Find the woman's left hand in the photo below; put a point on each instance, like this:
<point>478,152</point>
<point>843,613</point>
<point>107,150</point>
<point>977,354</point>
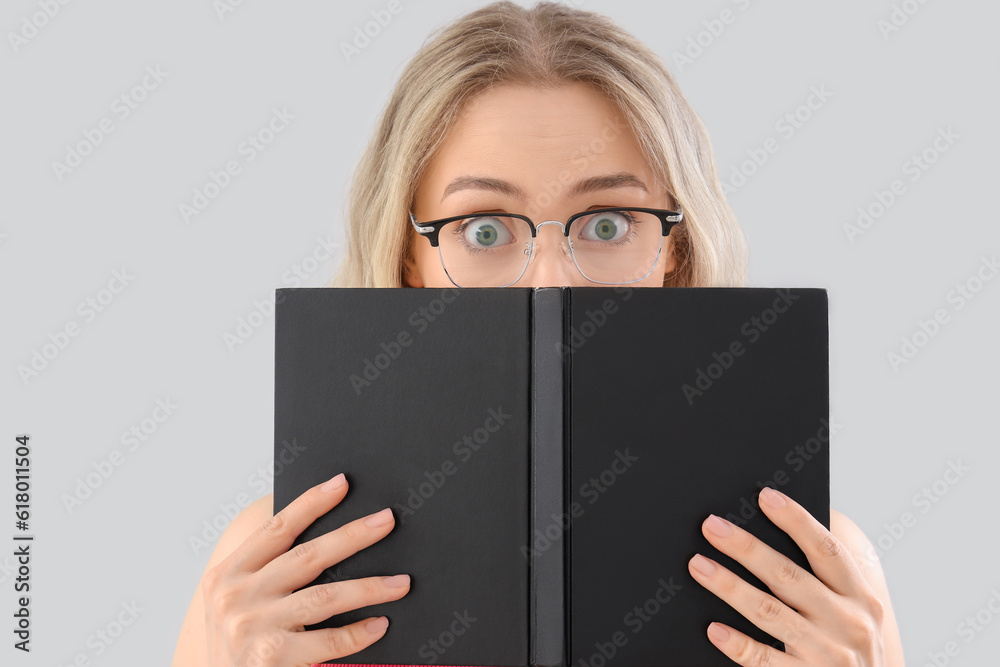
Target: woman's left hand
<point>832,617</point>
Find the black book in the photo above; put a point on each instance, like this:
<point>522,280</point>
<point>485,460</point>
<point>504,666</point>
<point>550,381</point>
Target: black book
<point>550,455</point>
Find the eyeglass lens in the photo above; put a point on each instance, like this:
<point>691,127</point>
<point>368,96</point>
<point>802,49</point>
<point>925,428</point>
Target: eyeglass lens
<point>493,250</point>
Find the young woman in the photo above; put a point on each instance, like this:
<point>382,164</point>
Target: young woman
<point>546,112</point>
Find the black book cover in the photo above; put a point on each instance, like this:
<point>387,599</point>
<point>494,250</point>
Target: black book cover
<point>550,455</point>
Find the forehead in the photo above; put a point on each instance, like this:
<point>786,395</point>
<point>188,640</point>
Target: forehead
<point>525,133</point>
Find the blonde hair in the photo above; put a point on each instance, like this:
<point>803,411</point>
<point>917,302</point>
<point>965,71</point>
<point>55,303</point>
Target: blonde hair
<point>547,45</point>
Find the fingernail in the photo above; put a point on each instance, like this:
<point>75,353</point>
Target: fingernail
<point>380,518</point>
<point>703,565</point>
<point>718,632</point>
<point>397,581</point>
<point>334,483</point>
<point>719,526</point>
<point>771,498</point>
<point>376,626</point>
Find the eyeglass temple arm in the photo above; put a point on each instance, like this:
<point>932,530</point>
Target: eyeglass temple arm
<point>421,229</point>
<point>429,231</point>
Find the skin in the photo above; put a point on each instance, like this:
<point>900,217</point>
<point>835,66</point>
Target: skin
<point>571,134</point>
<point>244,604</point>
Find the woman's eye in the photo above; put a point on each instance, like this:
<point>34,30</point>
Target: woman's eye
<point>605,227</point>
<point>486,233</point>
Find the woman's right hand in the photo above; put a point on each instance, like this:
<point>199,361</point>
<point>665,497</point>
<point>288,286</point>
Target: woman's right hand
<point>252,615</point>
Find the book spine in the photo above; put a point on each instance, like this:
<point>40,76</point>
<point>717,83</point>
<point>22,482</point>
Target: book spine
<point>546,615</point>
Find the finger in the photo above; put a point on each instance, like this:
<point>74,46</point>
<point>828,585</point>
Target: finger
<point>829,559</point>
<point>743,650</point>
<point>762,609</point>
<point>276,535</point>
<point>307,560</point>
<point>794,585</point>
<point>320,602</point>
<point>316,646</point>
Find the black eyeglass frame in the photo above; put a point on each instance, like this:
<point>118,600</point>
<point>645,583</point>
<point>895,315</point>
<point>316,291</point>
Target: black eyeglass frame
<point>431,230</point>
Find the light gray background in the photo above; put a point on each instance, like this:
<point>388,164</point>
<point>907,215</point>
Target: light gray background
<point>163,335</point>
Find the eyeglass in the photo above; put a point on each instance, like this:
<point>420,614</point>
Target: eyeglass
<point>609,246</point>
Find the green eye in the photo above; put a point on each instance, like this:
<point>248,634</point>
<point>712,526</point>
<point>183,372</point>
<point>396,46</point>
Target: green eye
<point>487,232</point>
<point>605,229</point>
<point>486,235</point>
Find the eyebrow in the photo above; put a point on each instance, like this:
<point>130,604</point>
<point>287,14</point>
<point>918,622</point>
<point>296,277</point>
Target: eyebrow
<point>584,186</point>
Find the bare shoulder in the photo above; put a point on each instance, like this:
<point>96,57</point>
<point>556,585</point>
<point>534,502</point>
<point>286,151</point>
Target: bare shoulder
<point>252,517</point>
<point>861,548</point>
<point>865,555</point>
<point>246,522</point>
<point>192,648</point>
<point>852,537</point>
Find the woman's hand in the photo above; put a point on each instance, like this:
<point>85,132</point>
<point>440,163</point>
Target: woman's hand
<point>252,617</point>
<point>830,618</point>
